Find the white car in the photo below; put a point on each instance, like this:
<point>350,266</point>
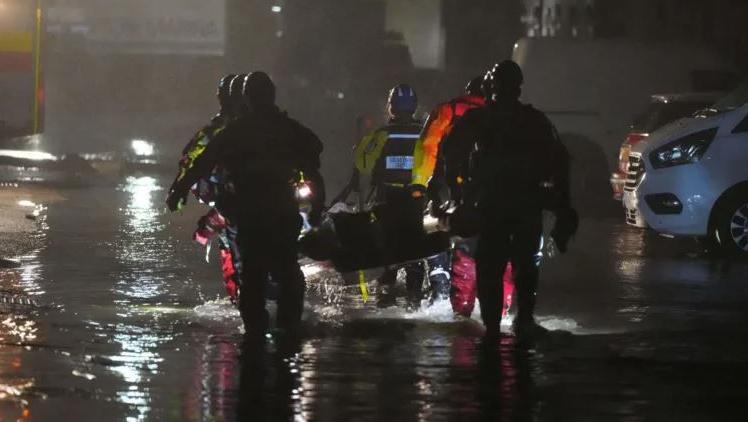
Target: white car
<point>690,178</point>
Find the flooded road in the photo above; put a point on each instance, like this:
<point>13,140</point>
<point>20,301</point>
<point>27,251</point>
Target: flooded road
<point>117,316</point>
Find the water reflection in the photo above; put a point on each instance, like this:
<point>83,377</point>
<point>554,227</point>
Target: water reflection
<point>138,364</point>
<point>213,382</point>
<point>143,253</point>
<point>142,215</point>
<point>279,386</point>
<point>140,248</point>
<point>20,292</point>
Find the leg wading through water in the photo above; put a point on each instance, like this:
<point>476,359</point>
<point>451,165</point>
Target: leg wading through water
<point>508,239</point>
<point>462,288</point>
<point>439,276</point>
<point>401,217</point>
<point>266,252</point>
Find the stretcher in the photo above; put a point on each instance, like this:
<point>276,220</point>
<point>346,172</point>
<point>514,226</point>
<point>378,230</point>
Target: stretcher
<point>355,241</point>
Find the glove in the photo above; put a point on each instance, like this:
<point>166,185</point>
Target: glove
<point>567,224</point>
<point>175,200</point>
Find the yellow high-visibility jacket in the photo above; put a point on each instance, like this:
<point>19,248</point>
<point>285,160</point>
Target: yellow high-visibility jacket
<point>368,150</point>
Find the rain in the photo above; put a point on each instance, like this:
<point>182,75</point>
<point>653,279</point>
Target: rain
<point>114,308</point>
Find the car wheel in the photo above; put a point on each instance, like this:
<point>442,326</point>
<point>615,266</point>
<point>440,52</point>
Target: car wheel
<point>732,224</point>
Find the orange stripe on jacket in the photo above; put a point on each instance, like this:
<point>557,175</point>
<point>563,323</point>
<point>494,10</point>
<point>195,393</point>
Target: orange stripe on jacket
<point>437,128</point>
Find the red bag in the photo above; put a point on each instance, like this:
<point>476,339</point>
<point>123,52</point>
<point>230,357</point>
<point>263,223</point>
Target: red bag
<point>229,273</point>
<point>464,289</point>
<point>208,226</point>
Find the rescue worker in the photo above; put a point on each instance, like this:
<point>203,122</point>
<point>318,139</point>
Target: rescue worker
<point>210,190</point>
<point>428,176</point>
<point>518,164</point>
<point>197,144</point>
<point>400,214</point>
<point>440,122</point>
<point>264,151</point>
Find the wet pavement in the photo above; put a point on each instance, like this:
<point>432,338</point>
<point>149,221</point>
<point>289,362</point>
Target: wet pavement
<point>114,314</point>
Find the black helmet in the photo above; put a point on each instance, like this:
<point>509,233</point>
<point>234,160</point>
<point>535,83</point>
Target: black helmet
<point>503,80</point>
<point>259,90</point>
<point>223,92</point>
<point>402,100</point>
<point>474,86</point>
<point>236,88</point>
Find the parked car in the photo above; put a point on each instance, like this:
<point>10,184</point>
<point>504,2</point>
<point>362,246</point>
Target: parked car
<point>663,109</point>
<point>591,89</point>
<point>690,178</point>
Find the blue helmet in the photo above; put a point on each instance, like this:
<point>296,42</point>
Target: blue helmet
<point>402,100</point>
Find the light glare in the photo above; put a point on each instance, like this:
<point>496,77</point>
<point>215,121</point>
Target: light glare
<point>142,148</point>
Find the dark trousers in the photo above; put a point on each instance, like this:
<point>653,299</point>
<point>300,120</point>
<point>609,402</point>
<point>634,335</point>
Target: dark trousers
<point>401,219</point>
<point>505,239</point>
<point>268,245</point>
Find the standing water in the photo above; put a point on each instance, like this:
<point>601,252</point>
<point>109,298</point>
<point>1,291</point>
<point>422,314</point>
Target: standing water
<point>116,316</point>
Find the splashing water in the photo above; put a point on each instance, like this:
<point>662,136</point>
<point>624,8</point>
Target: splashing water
<point>218,310</point>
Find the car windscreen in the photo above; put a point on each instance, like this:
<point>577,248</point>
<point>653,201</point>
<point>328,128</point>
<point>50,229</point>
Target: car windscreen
<point>734,99</point>
<point>660,113</point>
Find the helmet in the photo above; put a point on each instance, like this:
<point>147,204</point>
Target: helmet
<point>259,90</point>
<point>473,87</point>
<point>223,91</point>
<point>236,88</point>
<point>402,101</point>
<point>235,101</point>
<point>503,80</point>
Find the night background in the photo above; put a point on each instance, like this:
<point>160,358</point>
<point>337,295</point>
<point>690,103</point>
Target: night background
<point>109,311</point>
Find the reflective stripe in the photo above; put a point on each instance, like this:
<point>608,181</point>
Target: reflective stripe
<point>404,136</point>
<point>399,162</point>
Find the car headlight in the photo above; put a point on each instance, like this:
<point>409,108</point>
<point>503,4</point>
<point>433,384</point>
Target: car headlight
<point>686,150</point>
<point>142,148</point>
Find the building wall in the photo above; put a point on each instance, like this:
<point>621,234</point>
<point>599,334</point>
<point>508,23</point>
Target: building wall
<point>126,69</point>
<point>558,18</point>
<point>721,24</point>
<point>420,22</point>
<point>479,33</point>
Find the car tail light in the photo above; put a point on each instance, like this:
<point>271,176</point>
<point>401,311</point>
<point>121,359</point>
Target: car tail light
<point>632,139</point>
<point>635,137</point>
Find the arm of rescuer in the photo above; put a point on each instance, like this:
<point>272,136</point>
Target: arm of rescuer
<point>194,148</point>
<point>558,187</point>
<point>456,149</point>
<point>308,162</point>
<point>427,146</point>
<point>201,167</point>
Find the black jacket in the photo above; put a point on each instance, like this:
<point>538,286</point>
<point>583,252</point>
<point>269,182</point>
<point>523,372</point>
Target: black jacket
<point>507,154</point>
<point>262,152</point>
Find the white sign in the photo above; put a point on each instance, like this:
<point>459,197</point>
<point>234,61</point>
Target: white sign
<point>158,26</point>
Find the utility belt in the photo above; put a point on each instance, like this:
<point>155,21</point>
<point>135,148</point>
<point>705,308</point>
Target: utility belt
<point>390,193</point>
